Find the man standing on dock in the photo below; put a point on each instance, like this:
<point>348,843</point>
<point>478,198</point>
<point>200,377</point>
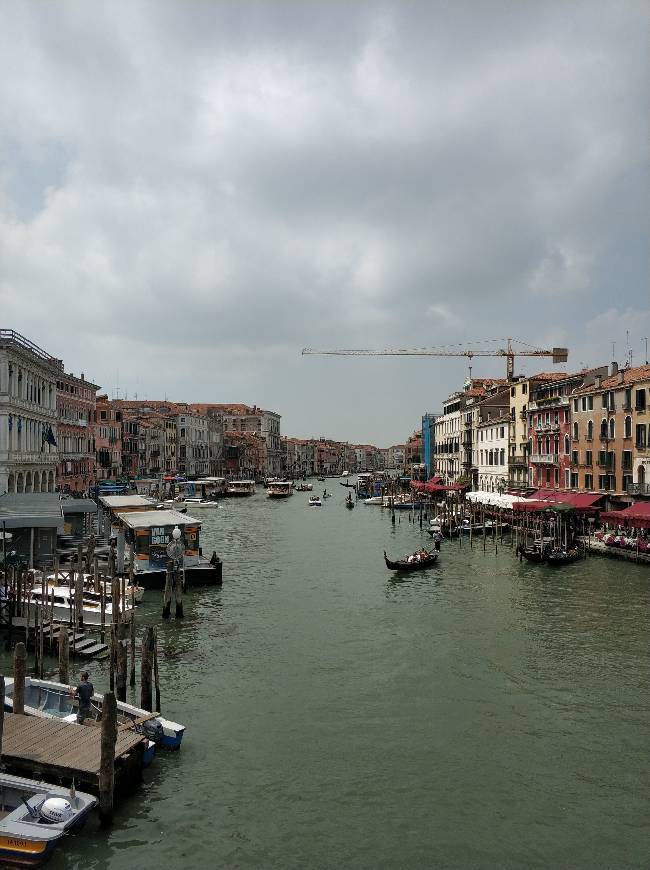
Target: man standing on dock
<point>84,692</point>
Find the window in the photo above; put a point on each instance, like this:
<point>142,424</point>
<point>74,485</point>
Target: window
<point>640,400</point>
<point>612,428</point>
<point>575,404</point>
<point>574,480</point>
<point>590,431</point>
<point>574,457</point>
<point>589,481</point>
<point>524,388</point>
<point>627,405</point>
<point>575,432</point>
<point>627,430</point>
<point>590,403</point>
<point>603,428</point>
<point>556,476</point>
<point>589,458</point>
<point>584,403</point>
<point>626,462</point>
<point>567,446</point>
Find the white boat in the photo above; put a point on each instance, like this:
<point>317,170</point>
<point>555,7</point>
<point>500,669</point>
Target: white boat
<point>240,487</point>
<point>304,487</point>
<point>376,499</point>
<point>49,700</point>
<point>314,501</point>
<point>64,605</point>
<point>35,816</point>
<point>193,503</point>
<point>345,474</point>
<point>280,489</point>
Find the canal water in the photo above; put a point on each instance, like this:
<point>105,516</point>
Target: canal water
<point>482,714</point>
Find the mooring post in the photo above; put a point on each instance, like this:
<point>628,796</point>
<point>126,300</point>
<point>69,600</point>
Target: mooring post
<point>79,589</point>
<point>107,761</point>
<point>145,668</point>
<point>132,638</point>
<point>115,600</point>
<point>167,593</point>
<point>2,710</point>
<point>96,574</point>
<point>20,662</point>
<point>178,593</point>
<point>122,647</point>
<point>155,668</point>
<point>102,611</point>
<point>112,657</point>
<point>64,656</point>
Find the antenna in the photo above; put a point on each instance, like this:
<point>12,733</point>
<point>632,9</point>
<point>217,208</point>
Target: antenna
<point>613,350</point>
<point>646,350</point>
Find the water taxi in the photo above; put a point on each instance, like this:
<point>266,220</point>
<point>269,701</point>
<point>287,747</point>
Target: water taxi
<point>240,487</point>
<point>314,501</point>
<point>201,503</point>
<point>35,816</point>
<point>280,489</point>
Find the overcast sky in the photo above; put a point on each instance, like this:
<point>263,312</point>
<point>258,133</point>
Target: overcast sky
<point>191,192</point>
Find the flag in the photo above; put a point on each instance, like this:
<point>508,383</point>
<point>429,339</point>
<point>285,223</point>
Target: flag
<point>48,436</point>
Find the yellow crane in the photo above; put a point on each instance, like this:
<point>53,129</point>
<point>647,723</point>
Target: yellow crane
<point>559,354</point>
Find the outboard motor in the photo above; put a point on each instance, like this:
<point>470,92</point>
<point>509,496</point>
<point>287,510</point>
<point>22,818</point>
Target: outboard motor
<point>153,730</point>
<point>56,809</point>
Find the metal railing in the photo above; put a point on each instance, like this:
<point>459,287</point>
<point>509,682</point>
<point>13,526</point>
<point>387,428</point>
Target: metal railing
<point>10,336</point>
<point>638,489</point>
<point>545,458</point>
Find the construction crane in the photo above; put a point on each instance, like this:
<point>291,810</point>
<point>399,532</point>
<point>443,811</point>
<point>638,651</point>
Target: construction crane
<point>559,354</point>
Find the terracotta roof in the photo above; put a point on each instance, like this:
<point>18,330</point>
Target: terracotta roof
<point>630,376</point>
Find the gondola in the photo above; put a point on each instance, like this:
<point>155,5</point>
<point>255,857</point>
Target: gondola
<point>560,557</point>
<point>533,554</point>
<point>404,565</point>
<point>345,483</point>
<point>349,503</point>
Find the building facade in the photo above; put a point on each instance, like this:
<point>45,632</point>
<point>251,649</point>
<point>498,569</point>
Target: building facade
<point>108,438</point>
<point>28,415</point>
<point>75,405</point>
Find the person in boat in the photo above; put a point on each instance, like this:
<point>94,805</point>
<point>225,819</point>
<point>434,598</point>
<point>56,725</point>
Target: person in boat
<point>83,692</point>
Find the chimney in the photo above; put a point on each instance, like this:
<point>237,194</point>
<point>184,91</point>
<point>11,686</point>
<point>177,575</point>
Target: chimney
<point>621,376</point>
<point>614,370</point>
<point>599,381</point>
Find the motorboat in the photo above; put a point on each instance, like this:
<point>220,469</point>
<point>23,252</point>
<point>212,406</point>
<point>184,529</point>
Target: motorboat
<point>314,501</point>
<point>35,816</point>
<point>415,562</point>
<point>280,489</point>
<point>304,487</point>
<point>50,700</point>
<point>345,474</point>
<point>240,487</point>
<point>60,602</point>
<point>194,503</point>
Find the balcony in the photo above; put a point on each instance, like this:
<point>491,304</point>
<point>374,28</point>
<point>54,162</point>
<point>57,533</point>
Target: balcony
<point>545,458</point>
<point>518,460</point>
<point>552,402</point>
<point>638,489</point>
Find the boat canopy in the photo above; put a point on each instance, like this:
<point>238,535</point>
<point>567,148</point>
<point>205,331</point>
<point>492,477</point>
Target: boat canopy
<point>504,501</point>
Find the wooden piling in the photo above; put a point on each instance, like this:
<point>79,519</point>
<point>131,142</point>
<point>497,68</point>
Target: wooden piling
<point>121,649</point>
<point>111,647</point>
<point>2,706</point>
<point>107,762</point>
<point>146,660</point>
<point>132,638</point>
<point>115,600</point>
<point>155,668</point>
<point>20,663</point>
<point>102,610</point>
<point>96,574</point>
<point>64,656</point>
<point>167,593</point>
<point>178,593</point>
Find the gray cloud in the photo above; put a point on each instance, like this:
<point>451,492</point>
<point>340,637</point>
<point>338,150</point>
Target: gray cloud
<point>191,192</point>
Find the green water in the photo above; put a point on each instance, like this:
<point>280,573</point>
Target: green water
<point>482,714</point>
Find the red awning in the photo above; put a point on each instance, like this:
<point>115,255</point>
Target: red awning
<point>636,515</point>
<point>418,486</point>
<point>579,500</point>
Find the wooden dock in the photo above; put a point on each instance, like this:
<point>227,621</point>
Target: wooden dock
<point>81,643</point>
<point>55,750</point>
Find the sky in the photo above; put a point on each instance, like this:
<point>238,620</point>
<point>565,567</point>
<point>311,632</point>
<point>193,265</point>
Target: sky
<point>191,192</point>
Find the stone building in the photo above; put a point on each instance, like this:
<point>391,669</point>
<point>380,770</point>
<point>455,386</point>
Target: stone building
<point>108,438</point>
<point>610,433</point>
<point>75,404</point>
<point>28,415</point>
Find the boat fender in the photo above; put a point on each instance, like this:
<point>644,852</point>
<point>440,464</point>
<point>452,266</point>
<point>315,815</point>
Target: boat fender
<point>56,810</point>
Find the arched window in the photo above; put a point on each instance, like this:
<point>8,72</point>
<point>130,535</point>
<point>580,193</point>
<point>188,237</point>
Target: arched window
<point>575,432</point>
<point>567,445</point>
<point>628,428</point>
<point>612,428</point>
<point>603,428</point>
<point>590,430</point>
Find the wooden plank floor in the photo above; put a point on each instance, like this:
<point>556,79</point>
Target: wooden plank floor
<point>50,742</point>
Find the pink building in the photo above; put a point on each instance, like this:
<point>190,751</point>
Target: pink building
<point>75,406</point>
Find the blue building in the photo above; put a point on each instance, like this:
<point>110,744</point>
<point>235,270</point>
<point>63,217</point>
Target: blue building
<point>429,442</point>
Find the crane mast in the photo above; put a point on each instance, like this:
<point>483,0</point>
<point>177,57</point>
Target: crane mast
<point>559,354</point>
